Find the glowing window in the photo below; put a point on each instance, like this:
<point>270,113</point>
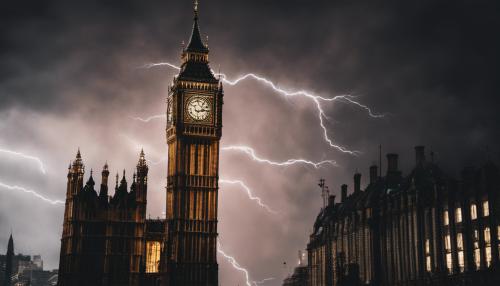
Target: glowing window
<point>486,209</point>
<point>473,211</point>
<point>487,252</point>
<point>461,264</point>
<point>152,256</point>
<point>449,264</point>
<point>428,263</point>
<point>427,246</point>
<point>446,218</point>
<point>458,215</point>
<point>477,258</point>
<point>460,241</point>
<point>487,235</point>
<point>447,242</point>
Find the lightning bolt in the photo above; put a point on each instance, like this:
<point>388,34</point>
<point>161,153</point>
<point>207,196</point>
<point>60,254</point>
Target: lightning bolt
<point>34,193</point>
<point>315,98</point>
<point>249,193</point>
<point>148,119</point>
<point>29,157</point>
<point>263,281</point>
<point>234,263</point>
<point>251,152</point>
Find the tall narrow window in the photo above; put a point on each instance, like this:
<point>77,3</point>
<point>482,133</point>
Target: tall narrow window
<point>477,251</point>
<point>447,246</point>
<point>460,248</point>
<point>486,209</point>
<point>447,242</point>
<point>473,211</point>
<point>458,215</point>
<point>152,256</point>
<point>449,264</point>
<point>487,248</point>
<point>446,218</point>
<point>428,265</point>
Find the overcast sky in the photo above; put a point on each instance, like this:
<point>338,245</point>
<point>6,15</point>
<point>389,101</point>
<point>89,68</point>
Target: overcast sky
<point>71,76</point>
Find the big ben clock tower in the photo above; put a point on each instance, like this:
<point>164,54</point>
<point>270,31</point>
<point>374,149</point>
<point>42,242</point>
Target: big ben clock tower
<point>194,125</point>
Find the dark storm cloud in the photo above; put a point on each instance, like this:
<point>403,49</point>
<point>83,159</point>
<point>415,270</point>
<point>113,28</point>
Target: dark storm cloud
<point>69,68</point>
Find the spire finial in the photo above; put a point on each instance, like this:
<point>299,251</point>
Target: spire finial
<point>196,8</point>
<point>78,154</point>
<point>91,172</point>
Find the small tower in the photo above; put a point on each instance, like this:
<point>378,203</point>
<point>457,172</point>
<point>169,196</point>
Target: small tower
<point>8,262</point>
<point>142,179</point>
<point>103,192</point>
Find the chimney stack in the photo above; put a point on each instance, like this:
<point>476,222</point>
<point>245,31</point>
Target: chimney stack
<point>331,200</point>
<point>420,155</point>
<point>357,182</point>
<point>392,163</point>
<point>343,195</point>
<point>373,174</point>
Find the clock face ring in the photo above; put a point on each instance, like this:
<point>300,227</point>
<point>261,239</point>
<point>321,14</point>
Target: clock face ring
<point>198,108</point>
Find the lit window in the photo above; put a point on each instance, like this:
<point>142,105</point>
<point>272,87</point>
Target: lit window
<point>477,251</point>
<point>473,211</point>
<point>449,264</point>
<point>428,263</point>
<point>486,209</point>
<point>152,256</point>
<point>487,252</point>
<point>477,258</point>
<point>461,261</point>
<point>460,241</point>
<point>446,219</point>
<point>458,215</point>
<point>447,242</point>
<point>487,235</point>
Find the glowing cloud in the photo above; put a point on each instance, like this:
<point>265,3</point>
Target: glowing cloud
<point>34,193</point>
<point>251,152</point>
<point>249,193</point>
<point>29,157</point>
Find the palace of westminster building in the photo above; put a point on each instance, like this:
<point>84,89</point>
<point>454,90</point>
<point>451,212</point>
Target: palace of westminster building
<point>107,240</point>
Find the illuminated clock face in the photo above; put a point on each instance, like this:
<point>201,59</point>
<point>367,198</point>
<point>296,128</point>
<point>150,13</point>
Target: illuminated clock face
<point>198,108</point>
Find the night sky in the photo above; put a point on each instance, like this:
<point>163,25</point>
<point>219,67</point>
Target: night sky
<point>71,75</point>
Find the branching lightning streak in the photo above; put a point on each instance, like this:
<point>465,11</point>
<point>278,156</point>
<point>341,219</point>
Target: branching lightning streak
<point>316,99</point>
<point>18,188</point>
<point>251,152</point>
<point>29,157</point>
<point>249,193</point>
<point>263,281</point>
<point>234,263</point>
<point>148,119</point>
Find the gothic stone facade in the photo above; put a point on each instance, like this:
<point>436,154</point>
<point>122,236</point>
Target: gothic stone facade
<point>108,240</point>
<point>423,229</point>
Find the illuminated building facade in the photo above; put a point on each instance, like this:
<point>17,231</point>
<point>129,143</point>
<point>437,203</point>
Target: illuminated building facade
<point>423,229</point>
<point>194,129</point>
<point>107,240</point>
